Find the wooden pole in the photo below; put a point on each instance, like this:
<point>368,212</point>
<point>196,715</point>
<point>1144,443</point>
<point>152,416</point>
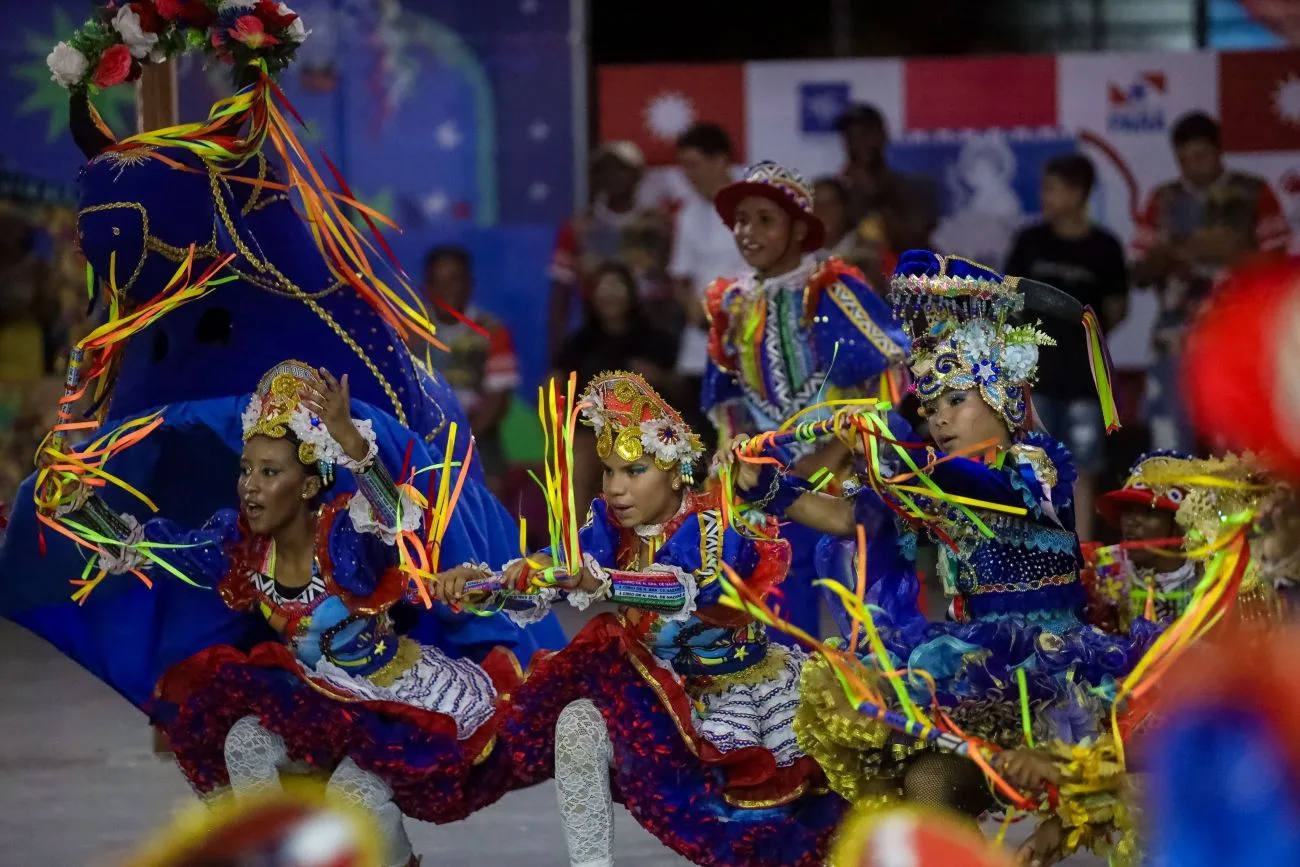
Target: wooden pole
<point>156,104</point>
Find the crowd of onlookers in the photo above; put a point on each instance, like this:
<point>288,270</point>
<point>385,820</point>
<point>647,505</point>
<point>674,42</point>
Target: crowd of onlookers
<point>627,280</point>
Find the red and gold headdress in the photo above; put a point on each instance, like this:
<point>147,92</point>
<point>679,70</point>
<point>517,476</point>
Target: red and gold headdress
<point>631,420</point>
<point>276,410</point>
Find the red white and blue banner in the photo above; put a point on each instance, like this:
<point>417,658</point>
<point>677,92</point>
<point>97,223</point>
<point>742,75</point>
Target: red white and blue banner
<point>981,128</point>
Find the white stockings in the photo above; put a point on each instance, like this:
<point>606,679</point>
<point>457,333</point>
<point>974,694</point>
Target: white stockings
<point>583,753</point>
<point>255,757</point>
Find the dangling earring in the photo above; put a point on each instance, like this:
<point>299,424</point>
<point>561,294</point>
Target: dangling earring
<point>688,475</point>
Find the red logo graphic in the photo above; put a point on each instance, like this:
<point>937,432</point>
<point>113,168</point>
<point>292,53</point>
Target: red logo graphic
<point>1139,90</point>
<point>1259,99</point>
<point>653,105</point>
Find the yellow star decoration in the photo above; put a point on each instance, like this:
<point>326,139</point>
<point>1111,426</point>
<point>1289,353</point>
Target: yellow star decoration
<point>741,652</point>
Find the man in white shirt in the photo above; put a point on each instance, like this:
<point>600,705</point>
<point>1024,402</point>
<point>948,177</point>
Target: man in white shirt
<point>703,247</point>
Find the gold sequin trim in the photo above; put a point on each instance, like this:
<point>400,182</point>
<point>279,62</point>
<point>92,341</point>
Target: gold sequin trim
<point>858,754</point>
<point>408,654</point>
<point>766,669</point>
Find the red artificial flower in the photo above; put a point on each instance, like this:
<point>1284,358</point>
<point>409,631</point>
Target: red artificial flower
<point>114,66</point>
<point>270,15</point>
<point>192,12</point>
<point>250,31</point>
<point>151,21</point>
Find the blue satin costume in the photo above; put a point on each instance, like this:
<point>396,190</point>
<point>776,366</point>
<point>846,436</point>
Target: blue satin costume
<point>197,365</point>
<point>779,346</point>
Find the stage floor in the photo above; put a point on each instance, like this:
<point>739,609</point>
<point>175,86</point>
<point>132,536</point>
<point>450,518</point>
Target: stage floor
<point>81,786</point>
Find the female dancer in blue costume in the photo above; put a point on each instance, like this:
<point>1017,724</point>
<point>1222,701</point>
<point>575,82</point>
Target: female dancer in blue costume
<point>794,332</point>
<point>684,697</point>
<point>1019,600</point>
<point>143,203</point>
<point>400,726</point>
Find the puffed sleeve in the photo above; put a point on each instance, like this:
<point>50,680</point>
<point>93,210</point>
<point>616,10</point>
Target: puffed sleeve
<point>359,558</point>
<point>721,397</point>
<point>855,334</point>
<point>202,555</point>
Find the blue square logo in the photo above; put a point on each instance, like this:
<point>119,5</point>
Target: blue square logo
<point>820,104</point>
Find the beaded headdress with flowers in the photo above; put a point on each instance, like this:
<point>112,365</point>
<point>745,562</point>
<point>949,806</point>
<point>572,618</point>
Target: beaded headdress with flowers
<point>961,318</point>
<point>631,420</point>
<point>276,410</point>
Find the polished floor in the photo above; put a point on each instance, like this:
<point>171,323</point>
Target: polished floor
<point>80,787</point>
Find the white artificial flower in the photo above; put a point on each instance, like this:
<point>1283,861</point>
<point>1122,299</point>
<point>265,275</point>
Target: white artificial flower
<point>1019,361</point>
<point>297,31</point>
<point>127,24</point>
<point>666,440</point>
<point>975,338</point>
<point>593,409</point>
<point>67,65</point>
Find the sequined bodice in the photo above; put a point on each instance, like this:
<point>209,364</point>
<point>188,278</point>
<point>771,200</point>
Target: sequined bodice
<point>1028,567</point>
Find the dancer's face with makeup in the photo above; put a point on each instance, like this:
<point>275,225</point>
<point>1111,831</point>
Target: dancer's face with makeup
<point>638,492</point>
<point>960,419</point>
<point>274,487</point>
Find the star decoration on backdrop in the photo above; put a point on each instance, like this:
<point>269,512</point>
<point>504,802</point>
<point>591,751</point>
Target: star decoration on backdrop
<point>1286,100</point>
<point>538,130</point>
<point>538,191</point>
<point>529,7</point>
<point>116,104</point>
<point>669,114</point>
<point>448,135</point>
<point>434,204</point>
<point>826,108</point>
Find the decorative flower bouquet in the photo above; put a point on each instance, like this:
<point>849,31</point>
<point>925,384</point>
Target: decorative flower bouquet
<point>122,38</point>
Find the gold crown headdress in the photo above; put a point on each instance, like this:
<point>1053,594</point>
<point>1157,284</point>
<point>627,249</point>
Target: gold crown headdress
<point>276,410</point>
<point>631,420</point>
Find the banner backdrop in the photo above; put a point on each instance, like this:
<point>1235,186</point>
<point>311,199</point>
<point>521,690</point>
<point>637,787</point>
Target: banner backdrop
<point>981,128</point>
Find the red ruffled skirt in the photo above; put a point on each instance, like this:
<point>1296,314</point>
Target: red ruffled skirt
<point>713,807</point>
<point>434,775</point>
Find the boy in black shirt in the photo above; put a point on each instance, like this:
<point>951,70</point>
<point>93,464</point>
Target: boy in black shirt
<point>1067,251</point>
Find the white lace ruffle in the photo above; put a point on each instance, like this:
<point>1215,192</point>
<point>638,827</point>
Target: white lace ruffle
<point>542,600</point>
<point>582,599</point>
<point>458,688</point>
<point>757,714</point>
<point>364,519</point>
<point>120,560</point>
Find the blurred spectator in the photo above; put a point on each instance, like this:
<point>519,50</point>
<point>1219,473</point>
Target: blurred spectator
<point>31,328</point>
<point>597,234</point>
<point>1193,229</point>
<point>859,243</point>
<point>703,251</point>
<point>480,363</point>
<point>647,248</point>
<point>27,314</point>
<point>616,336</point>
<point>908,205</point>
<point>1068,251</point>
